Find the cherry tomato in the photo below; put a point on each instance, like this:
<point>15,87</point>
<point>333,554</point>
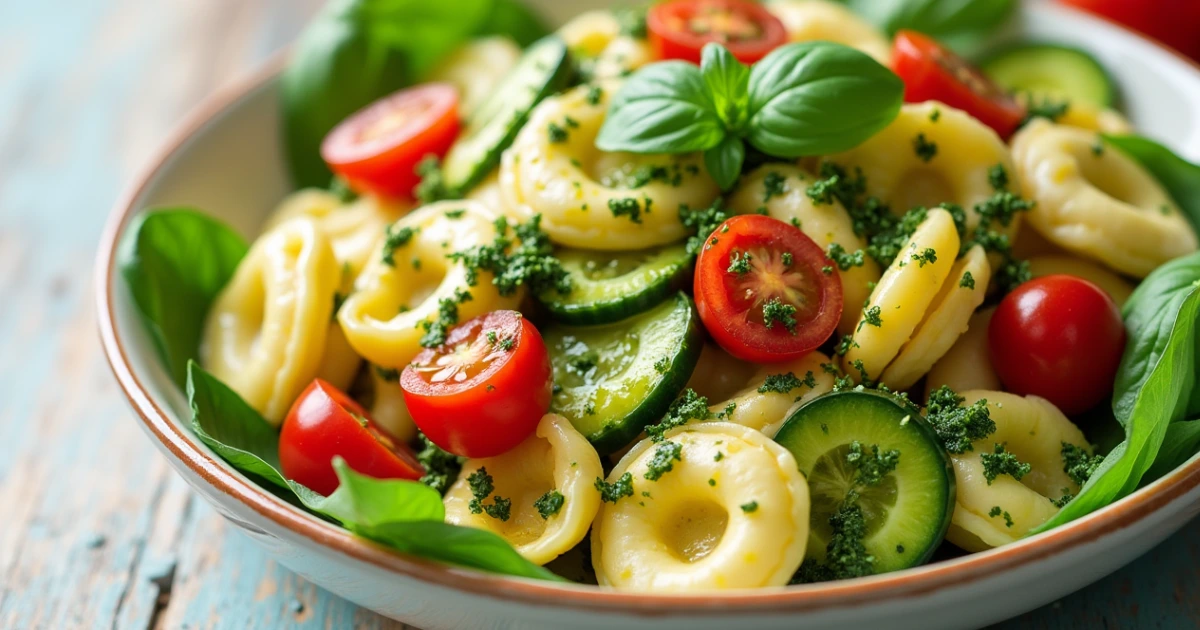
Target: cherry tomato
<point>325,423</point>
<point>1058,337</point>
<point>485,389</point>
<point>679,29</point>
<point>377,149</point>
<point>765,291</point>
<point>934,73</point>
<point>1175,23</point>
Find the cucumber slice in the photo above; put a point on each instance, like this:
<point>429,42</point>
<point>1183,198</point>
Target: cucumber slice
<point>1051,69</point>
<point>908,512</point>
<point>611,286</point>
<point>613,380</point>
<point>544,69</point>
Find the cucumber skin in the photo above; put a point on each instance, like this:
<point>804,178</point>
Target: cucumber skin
<point>611,311</point>
<point>1110,92</point>
<point>919,421</point>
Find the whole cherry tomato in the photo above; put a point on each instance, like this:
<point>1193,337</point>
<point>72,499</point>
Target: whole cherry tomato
<point>679,29</point>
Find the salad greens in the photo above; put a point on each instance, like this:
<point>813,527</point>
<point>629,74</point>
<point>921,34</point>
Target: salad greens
<point>939,18</point>
<point>801,99</point>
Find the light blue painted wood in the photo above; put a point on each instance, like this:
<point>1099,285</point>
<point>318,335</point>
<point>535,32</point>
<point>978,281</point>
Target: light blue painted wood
<point>96,531</point>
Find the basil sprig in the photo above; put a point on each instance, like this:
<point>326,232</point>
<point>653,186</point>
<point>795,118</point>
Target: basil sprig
<point>802,99</point>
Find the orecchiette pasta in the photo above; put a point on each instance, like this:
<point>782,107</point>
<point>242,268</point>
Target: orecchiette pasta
<point>738,520</point>
<point>353,229</point>
<point>383,317</point>
<point>1034,431</point>
<point>266,331</point>
<point>968,363</point>
<point>1118,288</point>
<point>1097,202</point>
<point>476,69</point>
<point>767,410</point>
<point>556,457</point>
<point>813,20</point>
<point>948,317</point>
<point>904,294</point>
<point>956,172</point>
<point>582,193</point>
<point>824,223</point>
<point>596,37</point>
<point>388,409</point>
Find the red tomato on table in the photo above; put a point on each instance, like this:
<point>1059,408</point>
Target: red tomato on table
<point>932,72</point>
<point>1175,23</point>
<point>325,423</point>
<point>679,29</point>
<point>377,149</point>
<point>484,390</point>
<point>762,290</point>
<point>1058,337</point>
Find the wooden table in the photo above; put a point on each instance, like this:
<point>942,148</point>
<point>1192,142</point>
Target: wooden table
<point>95,530</point>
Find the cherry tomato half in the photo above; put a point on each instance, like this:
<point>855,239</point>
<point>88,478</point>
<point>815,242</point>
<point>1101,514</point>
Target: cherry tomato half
<point>765,291</point>
<point>1175,23</point>
<point>679,29</point>
<point>1059,337</point>
<point>325,423</point>
<point>934,73</point>
<point>377,149</point>
<point>484,390</point>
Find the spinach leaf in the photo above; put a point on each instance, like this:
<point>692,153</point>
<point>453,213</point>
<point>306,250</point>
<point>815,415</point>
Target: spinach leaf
<point>939,18</point>
<point>1155,381</point>
<point>662,108</point>
<point>175,261</point>
<point>402,515</point>
<point>1180,177</point>
<point>818,97</point>
<point>514,19</point>
<point>1181,443</point>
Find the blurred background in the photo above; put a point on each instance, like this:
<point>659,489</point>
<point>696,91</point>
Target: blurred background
<point>96,530</point>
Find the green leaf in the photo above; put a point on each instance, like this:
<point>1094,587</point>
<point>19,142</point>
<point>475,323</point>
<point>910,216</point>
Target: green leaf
<point>727,80</point>
<point>514,19</point>
<point>1180,444</point>
<point>366,502</point>
<point>939,18</point>
<point>1180,177</point>
<point>724,161</point>
<point>175,261</point>
<point>816,98</point>
<point>1155,381</point>
<point>662,108</point>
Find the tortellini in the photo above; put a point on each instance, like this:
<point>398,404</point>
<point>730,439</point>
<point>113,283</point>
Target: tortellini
<point>594,199</point>
<point>1034,431</point>
<point>266,331</point>
<point>904,176</point>
<point>767,410</point>
<point>353,229</point>
<point>555,458</point>
<point>1118,288</point>
<point>824,223</point>
<point>968,364</point>
<point>732,513</point>
<point>1097,202</point>
<point>389,410</point>
<point>489,193</point>
<point>1084,115</point>
<point>384,318</point>
<point>476,69</point>
<point>811,20</point>
<point>596,38</point>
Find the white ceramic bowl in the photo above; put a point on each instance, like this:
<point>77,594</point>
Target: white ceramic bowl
<point>226,159</point>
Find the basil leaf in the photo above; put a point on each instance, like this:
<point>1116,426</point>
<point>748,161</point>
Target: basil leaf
<point>816,98</point>
<point>939,18</point>
<point>175,261</point>
<point>1180,444</point>
<point>724,161</point>
<point>1180,177</point>
<point>662,108</point>
<point>727,81</point>
<point>514,19</point>
<point>1155,382</point>
<point>402,515</point>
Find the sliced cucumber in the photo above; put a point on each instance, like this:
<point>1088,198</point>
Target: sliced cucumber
<point>1055,70</point>
<point>543,70</point>
<point>908,512</point>
<point>611,286</point>
<point>613,380</point>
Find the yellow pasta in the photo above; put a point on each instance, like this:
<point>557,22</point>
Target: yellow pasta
<point>766,411</point>
<point>1085,116</point>
<point>735,521</point>
<point>968,363</point>
<point>1098,202</point>
<point>575,186</point>
<point>556,457</point>
<point>476,69</point>
<point>1034,430</point>
<point>811,20</point>
<point>596,38</point>
<point>1118,288</point>
<point>389,410</point>
<point>265,333</point>
<point>488,193</point>
<point>353,229</point>
<point>824,223</point>
<point>383,319</point>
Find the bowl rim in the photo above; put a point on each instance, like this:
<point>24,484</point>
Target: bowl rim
<point>916,581</point>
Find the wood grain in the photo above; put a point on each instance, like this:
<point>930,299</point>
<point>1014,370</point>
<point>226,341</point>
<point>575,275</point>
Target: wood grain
<point>96,530</point>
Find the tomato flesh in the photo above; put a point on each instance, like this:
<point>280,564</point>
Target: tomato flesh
<point>679,29</point>
<point>765,291</point>
<point>483,391</point>
<point>932,72</point>
<point>325,423</point>
<point>1059,337</point>
<point>377,149</point>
